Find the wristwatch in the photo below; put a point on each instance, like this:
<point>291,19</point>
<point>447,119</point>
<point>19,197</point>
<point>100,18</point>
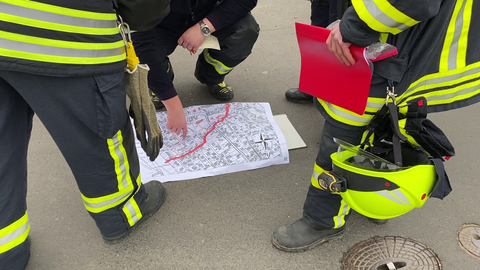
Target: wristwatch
<point>204,28</point>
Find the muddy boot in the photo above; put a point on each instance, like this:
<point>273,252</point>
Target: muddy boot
<point>303,235</point>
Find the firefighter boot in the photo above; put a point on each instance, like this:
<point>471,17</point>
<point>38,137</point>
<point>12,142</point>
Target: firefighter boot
<point>155,197</point>
<point>297,96</point>
<point>377,221</point>
<point>303,235</point>
<point>220,91</point>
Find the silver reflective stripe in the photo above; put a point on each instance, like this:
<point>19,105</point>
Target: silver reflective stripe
<point>347,115</point>
<point>467,90</point>
<point>343,212</point>
<point>383,18</point>
<point>54,17</point>
<point>112,201</point>
<point>132,211</point>
<point>56,51</point>
<point>401,196</point>
<point>389,196</point>
<point>315,175</point>
<point>14,235</point>
<point>452,56</point>
<point>217,64</point>
<point>375,105</point>
<point>440,80</point>
<point>121,160</point>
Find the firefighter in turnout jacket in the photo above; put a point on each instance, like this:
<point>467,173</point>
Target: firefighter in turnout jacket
<point>438,59</point>
<point>64,61</point>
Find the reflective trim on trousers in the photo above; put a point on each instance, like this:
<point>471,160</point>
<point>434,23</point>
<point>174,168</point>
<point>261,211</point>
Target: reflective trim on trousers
<point>122,170</point>
<point>219,66</point>
<point>14,234</point>
<point>131,209</point>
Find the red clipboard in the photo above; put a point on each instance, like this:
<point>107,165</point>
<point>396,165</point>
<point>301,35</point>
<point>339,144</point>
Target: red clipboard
<point>323,76</point>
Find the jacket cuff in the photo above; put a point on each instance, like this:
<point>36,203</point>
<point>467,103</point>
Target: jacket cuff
<point>215,21</point>
<point>168,94</point>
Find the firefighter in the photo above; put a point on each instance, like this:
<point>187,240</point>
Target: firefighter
<point>438,58</point>
<point>188,25</point>
<point>64,61</point>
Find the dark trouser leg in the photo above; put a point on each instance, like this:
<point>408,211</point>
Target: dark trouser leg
<point>236,43</point>
<point>88,121</point>
<point>323,13</point>
<point>322,207</point>
<point>15,125</point>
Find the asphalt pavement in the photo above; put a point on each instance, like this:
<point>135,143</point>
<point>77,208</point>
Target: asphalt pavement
<point>226,221</point>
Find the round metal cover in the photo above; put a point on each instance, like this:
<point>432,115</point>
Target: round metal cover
<point>469,238</point>
<point>390,253</point>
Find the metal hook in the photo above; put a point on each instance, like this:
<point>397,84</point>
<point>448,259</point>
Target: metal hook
<point>391,95</point>
<point>122,28</point>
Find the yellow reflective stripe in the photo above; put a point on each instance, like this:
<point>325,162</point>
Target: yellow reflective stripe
<point>57,26</point>
<point>131,209</point>
<point>339,219</point>
<point>61,43</point>
<point>317,170</point>
<point>119,155</point>
<point>454,52</point>
<point>122,170</point>
<point>381,16</point>
<point>463,41</point>
<point>14,234</point>
<point>219,66</point>
<point>439,97</point>
<point>384,37</point>
<point>62,10</point>
<point>453,82</point>
<point>61,59</point>
<point>100,204</point>
<point>348,117</point>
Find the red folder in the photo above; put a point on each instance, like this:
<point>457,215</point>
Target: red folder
<point>323,76</point>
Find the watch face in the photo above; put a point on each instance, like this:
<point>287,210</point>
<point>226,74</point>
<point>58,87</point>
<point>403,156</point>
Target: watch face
<point>205,31</point>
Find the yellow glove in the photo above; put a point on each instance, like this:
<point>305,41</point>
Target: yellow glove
<point>142,109</point>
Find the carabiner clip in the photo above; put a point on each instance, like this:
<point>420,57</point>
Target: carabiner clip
<point>391,95</point>
<point>124,30</point>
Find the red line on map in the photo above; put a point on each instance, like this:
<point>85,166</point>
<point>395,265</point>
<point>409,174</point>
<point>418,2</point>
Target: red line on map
<point>227,107</point>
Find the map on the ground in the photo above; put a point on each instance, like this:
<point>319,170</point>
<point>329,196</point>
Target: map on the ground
<point>222,138</point>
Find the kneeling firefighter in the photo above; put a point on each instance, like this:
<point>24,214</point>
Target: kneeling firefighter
<point>434,61</point>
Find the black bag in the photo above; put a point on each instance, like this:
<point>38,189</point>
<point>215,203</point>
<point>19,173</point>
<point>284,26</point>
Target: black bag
<point>142,15</point>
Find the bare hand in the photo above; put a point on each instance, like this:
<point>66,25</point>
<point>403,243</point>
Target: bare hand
<point>339,48</point>
<point>192,38</point>
<point>176,121</point>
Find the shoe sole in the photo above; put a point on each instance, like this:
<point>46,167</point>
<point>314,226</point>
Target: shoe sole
<point>330,238</point>
<point>300,101</point>
<point>127,233</point>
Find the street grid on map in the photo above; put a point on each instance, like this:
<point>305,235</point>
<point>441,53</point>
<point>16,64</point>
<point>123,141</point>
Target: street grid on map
<point>221,138</point>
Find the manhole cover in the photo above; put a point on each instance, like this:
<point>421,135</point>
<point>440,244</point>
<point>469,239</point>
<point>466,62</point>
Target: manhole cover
<point>390,253</point>
<point>469,238</point>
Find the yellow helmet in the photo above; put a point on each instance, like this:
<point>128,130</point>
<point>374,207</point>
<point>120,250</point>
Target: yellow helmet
<point>400,170</point>
<point>382,193</point>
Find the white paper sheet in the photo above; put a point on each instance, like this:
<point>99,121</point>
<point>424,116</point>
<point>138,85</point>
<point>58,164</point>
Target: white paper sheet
<point>222,138</point>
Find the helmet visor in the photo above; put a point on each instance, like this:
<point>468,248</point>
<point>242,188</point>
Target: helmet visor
<point>360,158</point>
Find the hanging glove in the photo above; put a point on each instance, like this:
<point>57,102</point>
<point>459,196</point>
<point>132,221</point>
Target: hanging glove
<point>142,109</point>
